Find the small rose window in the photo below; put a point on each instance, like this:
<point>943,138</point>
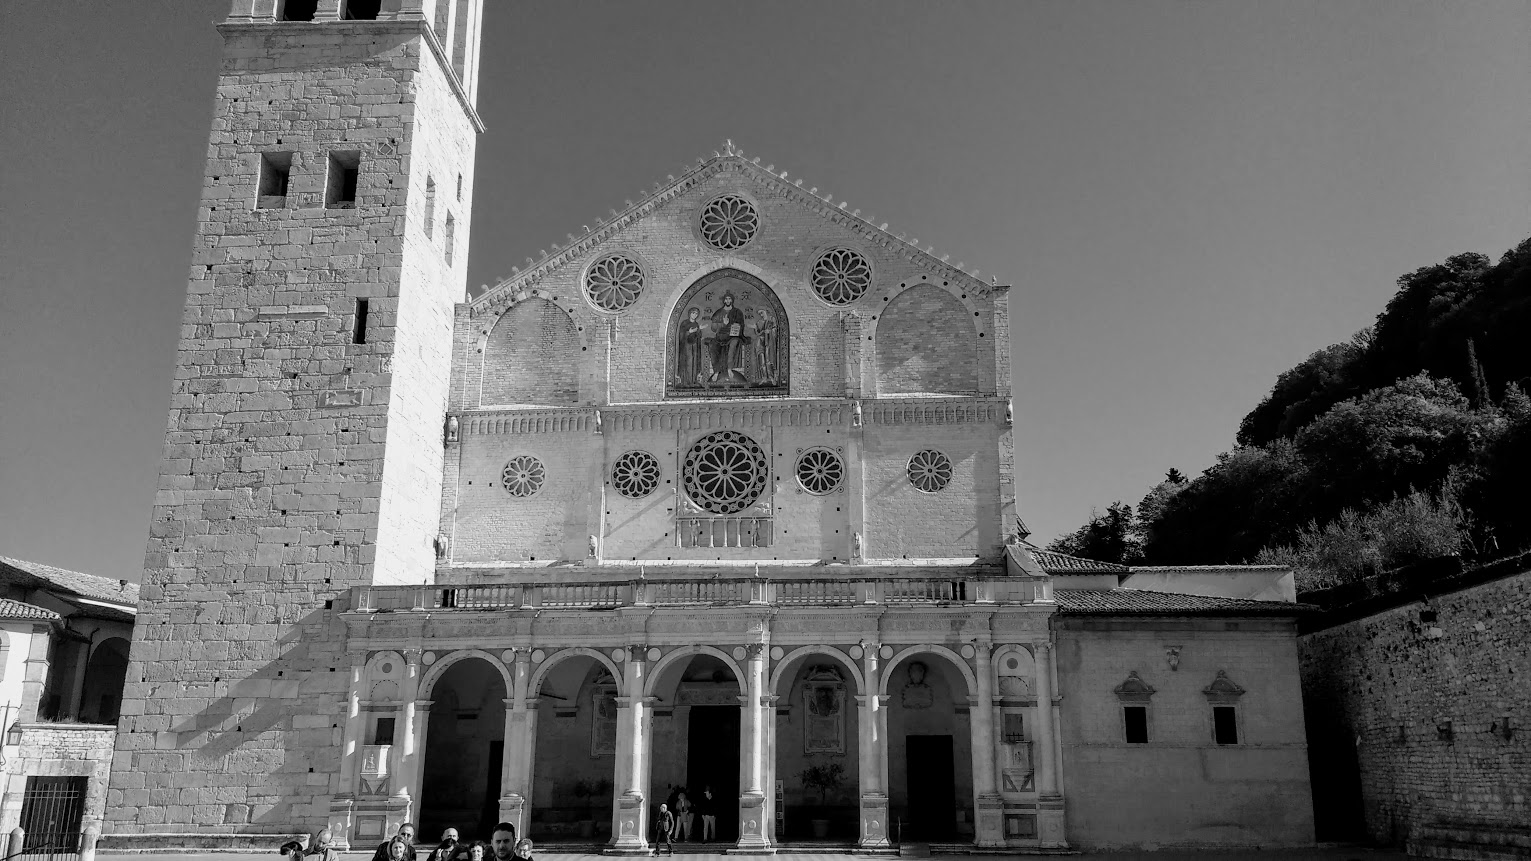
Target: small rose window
<point>635,474</point>
<point>820,471</point>
<point>841,276</point>
<point>614,282</point>
<point>729,222</point>
<point>523,475</point>
<point>929,471</point>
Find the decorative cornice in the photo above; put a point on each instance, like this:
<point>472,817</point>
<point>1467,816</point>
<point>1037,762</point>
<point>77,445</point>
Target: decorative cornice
<point>731,158</point>
<point>719,414</point>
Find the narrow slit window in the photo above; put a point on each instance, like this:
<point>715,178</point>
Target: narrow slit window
<point>359,323</point>
<point>449,233</point>
<point>362,10</point>
<point>430,206</point>
<point>275,168</point>
<point>1225,724</point>
<point>340,188</point>
<point>384,732</point>
<point>299,10</point>
<point>1135,721</point>
<point>459,188</point>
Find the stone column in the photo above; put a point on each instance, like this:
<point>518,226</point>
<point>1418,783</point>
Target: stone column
<point>520,746</point>
<point>989,808</point>
<point>405,751</point>
<point>753,827</point>
<point>631,811</point>
<point>872,744</point>
<point>327,10</point>
<point>35,678</point>
<point>416,758</point>
<point>343,804</point>
<point>1050,825</point>
<point>768,780</point>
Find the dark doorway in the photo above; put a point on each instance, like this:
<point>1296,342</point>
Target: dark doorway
<point>489,814</point>
<point>712,759</point>
<point>931,786</point>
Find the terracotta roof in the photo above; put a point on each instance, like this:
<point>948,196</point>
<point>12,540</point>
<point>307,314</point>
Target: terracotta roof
<point>12,609</point>
<point>35,575</point>
<point>1139,602</point>
<point>1062,563</point>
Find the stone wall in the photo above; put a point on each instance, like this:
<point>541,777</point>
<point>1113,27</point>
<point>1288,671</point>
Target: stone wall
<point>1182,788</point>
<point>1416,712</point>
<point>60,750</point>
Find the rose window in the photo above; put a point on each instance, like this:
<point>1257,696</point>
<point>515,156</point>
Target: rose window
<point>724,472</point>
<point>841,276</point>
<point>929,470</point>
<point>730,221</point>
<point>820,471</point>
<point>613,283</point>
<point>523,476</point>
<point>635,474</point>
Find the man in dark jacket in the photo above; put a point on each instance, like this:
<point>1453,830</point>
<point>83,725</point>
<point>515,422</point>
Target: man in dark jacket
<point>664,824</point>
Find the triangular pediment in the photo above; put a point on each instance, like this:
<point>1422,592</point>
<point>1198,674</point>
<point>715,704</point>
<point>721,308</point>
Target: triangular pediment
<point>729,162</point>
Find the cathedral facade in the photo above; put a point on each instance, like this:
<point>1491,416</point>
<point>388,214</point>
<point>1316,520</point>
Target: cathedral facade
<point>717,499</point>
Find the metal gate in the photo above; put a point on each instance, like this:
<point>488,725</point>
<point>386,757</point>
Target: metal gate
<point>52,810</point>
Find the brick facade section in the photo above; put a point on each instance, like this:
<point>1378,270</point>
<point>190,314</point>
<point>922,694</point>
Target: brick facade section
<point>532,356</point>
<point>926,344</point>
<point>1378,691</point>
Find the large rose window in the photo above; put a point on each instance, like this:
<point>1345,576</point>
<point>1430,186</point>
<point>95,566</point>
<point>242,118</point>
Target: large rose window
<point>725,472</point>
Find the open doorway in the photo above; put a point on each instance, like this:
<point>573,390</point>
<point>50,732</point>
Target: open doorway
<point>712,759</point>
<point>931,783</point>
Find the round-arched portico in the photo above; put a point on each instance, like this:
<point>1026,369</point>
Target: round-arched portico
<point>930,691</point>
<point>462,775</point>
<point>817,755</point>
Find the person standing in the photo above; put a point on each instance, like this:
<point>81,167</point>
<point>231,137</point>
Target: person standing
<point>765,348</point>
<point>683,816</point>
<point>503,841</point>
<point>707,807</point>
<point>688,359</point>
<point>664,824</point>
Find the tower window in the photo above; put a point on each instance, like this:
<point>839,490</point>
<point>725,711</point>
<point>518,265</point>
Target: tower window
<point>448,235</point>
<point>1135,722</point>
<point>362,10</point>
<point>275,167</point>
<point>459,188</point>
<point>359,323</point>
<point>1225,724</point>
<point>340,187</point>
<point>298,10</point>
<point>430,206</point>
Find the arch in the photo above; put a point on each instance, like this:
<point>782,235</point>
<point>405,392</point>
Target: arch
<point>534,685</point>
<point>105,675</point>
<point>664,663</point>
<point>931,649</point>
<point>1027,671</point>
<point>436,670</point>
<point>702,360</point>
<point>926,343</point>
<point>780,670</point>
<point>532,355</point>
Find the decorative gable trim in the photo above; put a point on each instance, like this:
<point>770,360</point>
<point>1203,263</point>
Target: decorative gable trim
<point>1133,689</point>
<point>1223,690</point>
<point>730,159</point>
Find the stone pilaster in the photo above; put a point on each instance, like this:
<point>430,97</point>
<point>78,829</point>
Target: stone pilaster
<point>631,809</point>
<point>754,829</point>
<point>989,812</point>
<point>1050,824</point>
<point>872,745</point>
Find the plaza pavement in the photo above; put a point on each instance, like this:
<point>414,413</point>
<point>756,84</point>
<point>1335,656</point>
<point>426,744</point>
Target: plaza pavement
<point>1325,852</point>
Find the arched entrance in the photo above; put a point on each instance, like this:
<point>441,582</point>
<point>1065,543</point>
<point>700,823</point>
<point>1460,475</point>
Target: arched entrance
<point>105,673</point>
<point>817,746</point>
<point>930,761</point>
<point>695,739</point>
<point>575,749</point>
<point>464,751</point>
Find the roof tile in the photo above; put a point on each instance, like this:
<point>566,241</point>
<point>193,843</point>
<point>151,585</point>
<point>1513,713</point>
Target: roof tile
<point>1139,602</point>
<point>35,575</point>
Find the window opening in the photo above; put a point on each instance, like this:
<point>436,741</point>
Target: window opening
<point>359,323</point>
<point>1015,730</point>
<point>340,189</point>
<point>275,168</point>
<point>299,10</point>
<point>384,732</point>
<point>430,206</point>
<point>362,10</point>
<point>459,188</point>
<point>448,235</point>
<point>1225,724</point>
<point>1135,720</point>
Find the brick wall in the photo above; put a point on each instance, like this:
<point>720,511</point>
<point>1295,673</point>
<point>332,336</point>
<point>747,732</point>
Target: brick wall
<point>1379,690</point>
<point>926,343</point>
<point>1181,788</point>
<point>532,356</point>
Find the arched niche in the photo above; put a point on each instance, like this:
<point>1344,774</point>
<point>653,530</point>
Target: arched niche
<point>532,355</point>
<point>926,344</point>
<point>728,337</point>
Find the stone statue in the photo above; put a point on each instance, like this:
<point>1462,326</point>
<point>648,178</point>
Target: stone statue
<point>856,414</point>
<point>917,694</point>
<point>452,429</point>
<point>855,545</point>
<point>594,546</point>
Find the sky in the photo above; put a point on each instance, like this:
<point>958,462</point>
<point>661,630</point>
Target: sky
<point>1186,197</point>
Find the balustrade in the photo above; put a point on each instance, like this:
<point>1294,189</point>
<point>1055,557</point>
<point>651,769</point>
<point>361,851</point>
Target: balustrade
<point>723,531</point>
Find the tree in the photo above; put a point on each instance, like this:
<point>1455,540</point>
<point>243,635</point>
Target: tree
<point>1105,538</point>
<point>1305,391</point>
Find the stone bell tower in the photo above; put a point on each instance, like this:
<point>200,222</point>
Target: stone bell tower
<point>303,453</point>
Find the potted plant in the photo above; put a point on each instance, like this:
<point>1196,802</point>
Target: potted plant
<point>826,778</point>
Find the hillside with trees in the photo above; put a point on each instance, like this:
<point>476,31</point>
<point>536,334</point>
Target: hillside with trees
<point>1410,441</point>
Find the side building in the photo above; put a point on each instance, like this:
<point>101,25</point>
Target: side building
<point>718,498</point>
